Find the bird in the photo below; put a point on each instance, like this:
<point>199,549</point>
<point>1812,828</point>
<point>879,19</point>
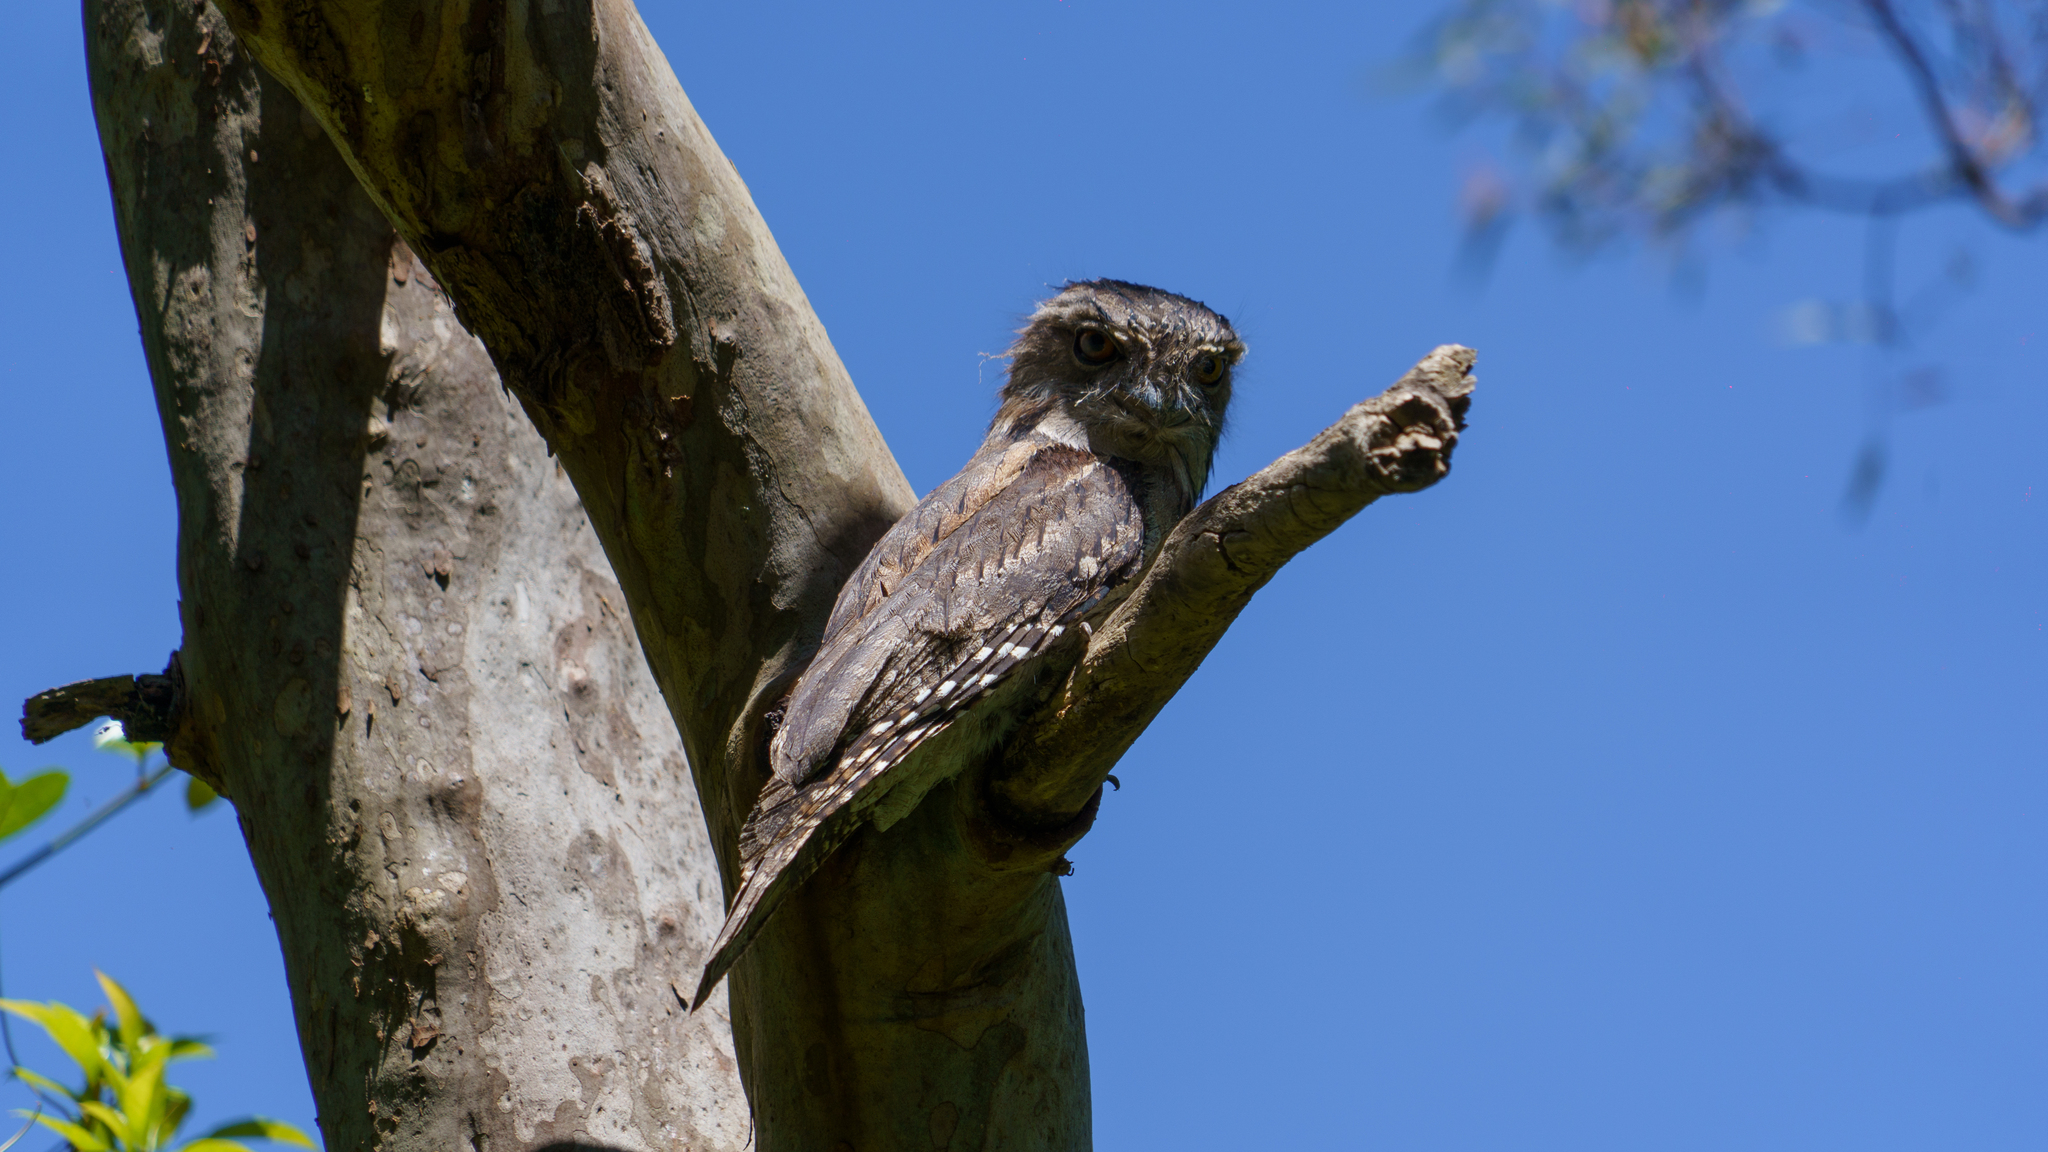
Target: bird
<point>1102,441</point>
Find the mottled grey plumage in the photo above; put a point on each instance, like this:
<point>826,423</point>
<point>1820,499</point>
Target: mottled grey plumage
<point>1108,422</point>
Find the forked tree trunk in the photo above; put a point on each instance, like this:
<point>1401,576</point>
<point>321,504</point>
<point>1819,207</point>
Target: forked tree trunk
<point>408,667</point>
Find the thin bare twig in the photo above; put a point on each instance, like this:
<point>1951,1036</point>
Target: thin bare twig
<point>105,812</point>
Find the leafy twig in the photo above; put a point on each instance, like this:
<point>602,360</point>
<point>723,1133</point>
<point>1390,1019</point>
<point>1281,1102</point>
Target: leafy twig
<point>64,839</point>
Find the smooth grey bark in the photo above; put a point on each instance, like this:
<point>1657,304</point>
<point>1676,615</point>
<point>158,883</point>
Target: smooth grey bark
<point>405,659</point>
<point>920,990</point>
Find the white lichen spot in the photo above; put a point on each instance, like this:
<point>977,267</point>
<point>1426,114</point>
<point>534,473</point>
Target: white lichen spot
<point>390,329</point>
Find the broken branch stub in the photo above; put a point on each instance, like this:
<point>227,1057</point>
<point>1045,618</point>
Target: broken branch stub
<point>145,704</point>
<point>1208,570</point>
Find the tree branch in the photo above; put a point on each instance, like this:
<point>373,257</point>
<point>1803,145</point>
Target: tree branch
<point>1967,167</point>
<point>1622,165</point>
<point>1209,569</point>
<point>146,705</point>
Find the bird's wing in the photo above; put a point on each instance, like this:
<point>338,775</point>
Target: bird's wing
<point>910,540</point>
<point>1004,581</point>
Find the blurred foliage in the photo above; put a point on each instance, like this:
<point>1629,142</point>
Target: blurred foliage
<point>124,1103</point>
<point>30,800</point>
<point>1645,116</point>
<point>1647,119</point>
<point>198,794</point>
<point>111,737</point>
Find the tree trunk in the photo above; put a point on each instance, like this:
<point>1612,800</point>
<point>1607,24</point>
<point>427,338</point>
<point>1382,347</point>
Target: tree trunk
<point>485,905</point>
<point>405,659</point>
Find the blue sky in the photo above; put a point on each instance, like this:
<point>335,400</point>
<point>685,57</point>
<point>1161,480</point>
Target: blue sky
<point>1619,793</point>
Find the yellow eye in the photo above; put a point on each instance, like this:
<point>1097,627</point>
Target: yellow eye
<point>1092,347</point>
<point>1208,369</point>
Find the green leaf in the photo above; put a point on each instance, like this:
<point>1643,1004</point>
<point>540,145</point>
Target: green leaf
<point>72,1032</point>
<point>80,1139</point>
<point>29,801</point>
<point>142,1098</point>
<point>265,1128</point>
<point>143,1113</point>
<point>175,1108</point>
<point>46,1084</point>
<point>115,1122</point>
<point>186,1048</point>
<point>132,1023</point>
<point>112,1077</point>
<point>198,794</point>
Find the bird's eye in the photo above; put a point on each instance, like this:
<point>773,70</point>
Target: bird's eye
<point>1092,347</point>
<point>1208,369</point>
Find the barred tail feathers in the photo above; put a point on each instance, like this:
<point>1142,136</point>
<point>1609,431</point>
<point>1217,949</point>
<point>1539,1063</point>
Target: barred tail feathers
<point>794,830</point>
<point>800,850</point>
<point>791,834</point>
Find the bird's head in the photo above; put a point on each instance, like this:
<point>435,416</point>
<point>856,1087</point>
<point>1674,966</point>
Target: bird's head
<point>1144,374</point>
